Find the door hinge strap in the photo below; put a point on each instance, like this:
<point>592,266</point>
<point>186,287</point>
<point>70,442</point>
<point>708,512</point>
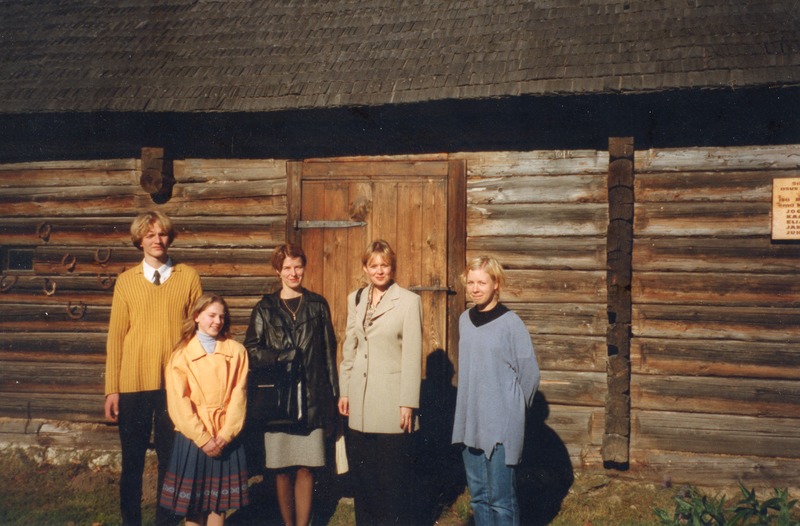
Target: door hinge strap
<point>420,288</point>
<point>328,224</point>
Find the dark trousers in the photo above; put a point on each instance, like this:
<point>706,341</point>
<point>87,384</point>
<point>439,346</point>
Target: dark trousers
<point>382,472</point>
<point>139,414</point>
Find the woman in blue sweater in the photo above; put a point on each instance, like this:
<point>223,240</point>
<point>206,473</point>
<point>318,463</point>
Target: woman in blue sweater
<point>497,379</point>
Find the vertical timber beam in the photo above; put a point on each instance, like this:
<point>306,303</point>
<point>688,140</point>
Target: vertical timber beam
<point>619,245</point>
<point>456,255</point>
<point>294,172</point>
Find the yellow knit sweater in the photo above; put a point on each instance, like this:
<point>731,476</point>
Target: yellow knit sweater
<point>145,325</point>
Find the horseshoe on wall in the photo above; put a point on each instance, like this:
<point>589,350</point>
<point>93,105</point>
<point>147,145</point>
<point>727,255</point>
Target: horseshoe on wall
<point>76,312</point>
<point>69,261</point>
<point>6,282</point>
<point>105,281</point>
<point>44,230</point>
<point>105,258</point>
<point>49,286</point>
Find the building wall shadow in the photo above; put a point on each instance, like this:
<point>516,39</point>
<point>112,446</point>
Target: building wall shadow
<point>545,474</point>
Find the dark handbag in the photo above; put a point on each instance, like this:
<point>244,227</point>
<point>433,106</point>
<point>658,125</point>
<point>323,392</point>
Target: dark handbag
<point>277,394</point>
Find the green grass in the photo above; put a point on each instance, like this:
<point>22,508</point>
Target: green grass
<point>75,495</point>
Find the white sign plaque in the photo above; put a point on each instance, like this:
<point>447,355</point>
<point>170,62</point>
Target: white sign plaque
<point>786,208</point>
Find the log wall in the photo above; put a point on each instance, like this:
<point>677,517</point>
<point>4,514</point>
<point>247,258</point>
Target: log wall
<point>544,215</point>
<point>74,217</point>
<point>716,331</point>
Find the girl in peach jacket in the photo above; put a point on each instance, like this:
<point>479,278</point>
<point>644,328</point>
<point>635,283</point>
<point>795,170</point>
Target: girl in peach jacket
<point>206,396</point>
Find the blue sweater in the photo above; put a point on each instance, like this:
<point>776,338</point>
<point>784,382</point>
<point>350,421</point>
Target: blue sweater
<point>497,379</point>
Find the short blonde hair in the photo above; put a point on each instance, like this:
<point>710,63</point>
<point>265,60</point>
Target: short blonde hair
<point>143,222</point>
<point>381,248</point>
<point>488,264</point>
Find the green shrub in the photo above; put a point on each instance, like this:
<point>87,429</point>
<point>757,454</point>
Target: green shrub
<point>692,508</point>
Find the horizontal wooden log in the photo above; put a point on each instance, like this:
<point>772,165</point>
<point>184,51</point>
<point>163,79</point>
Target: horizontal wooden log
<point>710,254</point>
<point>724,323</point>
<point>715,434</point>
<point>583,319</point>
<point>224,170</point>
<point>780,157</point>
<point>537,220</point>
<point>89,348</point>
<point>183,202</point>
<point>538,189</point>
<point>54,406</point>
<point>520,252</point>
<point>131,163</point>
<point>570,353</point>
<point>716,288</point>
<point>702,219</point>
<point>717,471</point>
<point>558,286</point>
<point>718,475</point>
<point>707,186</point>
<point>82,437</point>
<point>65,285</point>
<point>114,232</point>
<point>578,425</point>
<point>64,195</point>
<point>66,177</point>
<point>57,318</point>
<point>553,162</point>
<point>723,396</point>
<point>717,357</point>
<point>51,377</point>
<point>207,261</point>
<point>574,388</point>
<point>60,195</point>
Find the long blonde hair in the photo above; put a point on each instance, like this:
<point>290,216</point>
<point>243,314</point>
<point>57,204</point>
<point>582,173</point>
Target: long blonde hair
<point>189,326</point>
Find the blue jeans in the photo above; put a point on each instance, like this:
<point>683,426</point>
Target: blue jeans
<point>492,486</point>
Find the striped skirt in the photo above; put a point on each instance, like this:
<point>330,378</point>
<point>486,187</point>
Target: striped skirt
<point>197,483</point>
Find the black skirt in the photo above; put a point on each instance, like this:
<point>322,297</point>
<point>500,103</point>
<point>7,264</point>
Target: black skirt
<point>197,483</point>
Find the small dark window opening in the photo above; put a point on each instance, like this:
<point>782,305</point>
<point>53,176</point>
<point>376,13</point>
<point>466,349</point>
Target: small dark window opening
<point>18,259</point>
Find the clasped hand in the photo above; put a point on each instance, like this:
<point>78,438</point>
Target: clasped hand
<point>213,448</point>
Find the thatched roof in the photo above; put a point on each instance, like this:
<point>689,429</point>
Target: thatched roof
<point>253,56</point>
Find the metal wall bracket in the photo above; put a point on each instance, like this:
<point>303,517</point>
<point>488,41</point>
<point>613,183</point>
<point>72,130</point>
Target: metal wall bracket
<point>329,224</point>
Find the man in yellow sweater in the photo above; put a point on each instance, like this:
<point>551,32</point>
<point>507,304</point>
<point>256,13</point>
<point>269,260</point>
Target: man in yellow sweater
<point>150,302</point>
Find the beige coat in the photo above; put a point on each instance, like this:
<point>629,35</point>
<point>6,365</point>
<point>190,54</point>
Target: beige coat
<point>381,367</point>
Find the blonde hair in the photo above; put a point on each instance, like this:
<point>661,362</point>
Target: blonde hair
<point>145,221</point>
<point>491,266</point>
<point>189,326</point>
<point>381,248</point>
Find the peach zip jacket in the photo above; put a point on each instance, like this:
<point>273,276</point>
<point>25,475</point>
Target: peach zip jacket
<point>207,393</point>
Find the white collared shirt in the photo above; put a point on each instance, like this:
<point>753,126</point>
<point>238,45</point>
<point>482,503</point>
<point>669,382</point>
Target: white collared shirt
<point>164,270</point>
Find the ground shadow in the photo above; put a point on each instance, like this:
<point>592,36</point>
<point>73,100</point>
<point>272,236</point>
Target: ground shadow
<point>329,488</point>
<point>545,473</point>
<point>440,470</point>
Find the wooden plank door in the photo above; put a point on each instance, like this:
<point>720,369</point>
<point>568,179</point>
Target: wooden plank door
<point>337,207</point>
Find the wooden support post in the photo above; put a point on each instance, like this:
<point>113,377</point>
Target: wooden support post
<point>616,439</point>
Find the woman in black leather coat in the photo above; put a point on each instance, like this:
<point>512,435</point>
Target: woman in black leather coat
<point>294,318</point>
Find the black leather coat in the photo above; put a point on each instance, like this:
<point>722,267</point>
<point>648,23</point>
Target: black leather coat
<point>273,335</point>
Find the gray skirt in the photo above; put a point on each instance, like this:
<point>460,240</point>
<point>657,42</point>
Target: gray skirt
<point>295,448</point>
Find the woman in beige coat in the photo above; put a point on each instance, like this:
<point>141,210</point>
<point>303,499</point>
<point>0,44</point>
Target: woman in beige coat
<point>379,382</point>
